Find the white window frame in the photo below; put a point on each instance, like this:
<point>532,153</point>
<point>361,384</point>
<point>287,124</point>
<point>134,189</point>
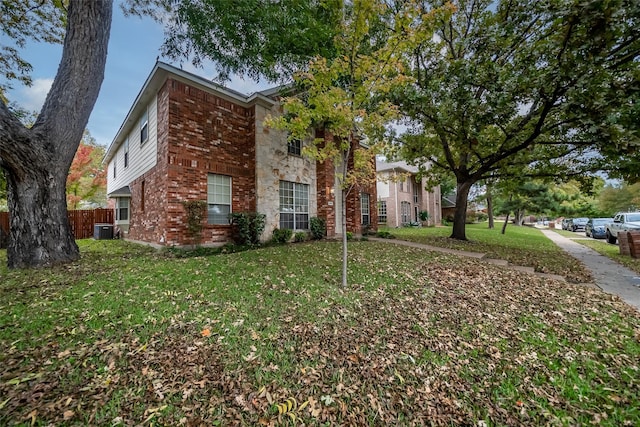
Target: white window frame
<point>365,209</point>
<point>219,199</point>
<point>382,211</point>
<point>121,207</point>
<point>144,127</point>
<point>126,153</point>
<point>405,212</point>
<point>294,205</point>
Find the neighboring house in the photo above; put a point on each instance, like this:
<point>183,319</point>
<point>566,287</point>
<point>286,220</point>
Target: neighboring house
<point>402,196</point>
<point>186,138</point>
<point>448,206</point>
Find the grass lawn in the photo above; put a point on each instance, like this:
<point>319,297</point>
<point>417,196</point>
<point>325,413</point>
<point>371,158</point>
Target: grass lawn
<point>524,246</point>
<point>130,336</point>
<point>601,246</point>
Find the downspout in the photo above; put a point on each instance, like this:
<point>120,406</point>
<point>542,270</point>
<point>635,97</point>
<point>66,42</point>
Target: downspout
<point>396,196</point>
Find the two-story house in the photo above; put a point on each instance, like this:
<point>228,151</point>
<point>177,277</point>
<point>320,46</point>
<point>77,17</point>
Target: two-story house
<point>187,138</point>
<point>402,195</point>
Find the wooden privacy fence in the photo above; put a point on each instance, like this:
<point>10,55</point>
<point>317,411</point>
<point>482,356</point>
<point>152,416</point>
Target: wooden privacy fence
<point>82,221</point>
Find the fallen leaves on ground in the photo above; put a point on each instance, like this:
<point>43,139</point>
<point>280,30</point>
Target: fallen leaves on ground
<point>465,344</point>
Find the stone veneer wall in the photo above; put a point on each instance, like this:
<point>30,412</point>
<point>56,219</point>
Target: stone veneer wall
<point>273,164</point>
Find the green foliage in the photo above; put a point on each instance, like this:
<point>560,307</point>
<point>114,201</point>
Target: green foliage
<point>192,318</point>
<point>318,227</point>
<point>281,235</point>
<point>516,89</point>
<point>423,215</point>
<point>383,234</point>
<point>248,227</point>
<point>300,236</point>
<point>349,235</point>
<point>619,198</point>
<point>246,37</point>
<point>196,213</point>
<point>23,21</point>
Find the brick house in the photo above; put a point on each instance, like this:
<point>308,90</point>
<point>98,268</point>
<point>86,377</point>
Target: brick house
<point>402,196</point>
<point>187,138</point>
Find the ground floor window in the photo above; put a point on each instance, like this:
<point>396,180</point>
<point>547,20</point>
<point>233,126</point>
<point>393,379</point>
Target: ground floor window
<point>364,209</point>
<point>382,211</point>
<point>294,206</point>
<point>218,199</point>
<point>122,209</point>
<point>405,212</point>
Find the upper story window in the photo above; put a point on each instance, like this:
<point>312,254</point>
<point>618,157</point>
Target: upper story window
<point>144,127</point>
<point>416,193</point>
<point>126,152</point>
<point>294,147</point>
<point>218,199</point>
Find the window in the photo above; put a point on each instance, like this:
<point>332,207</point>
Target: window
<point>122,209</point>
<point>144,127</point>
<point>126,152</point>
<point>218,199</point>
<point>115,162</point>
<point>402,185</point>
<point>364,209</point>
<point>382,211</point>
<point>294,206</point>
<point>416,189</point>
<point>294,147</point>
<point>405,212</point>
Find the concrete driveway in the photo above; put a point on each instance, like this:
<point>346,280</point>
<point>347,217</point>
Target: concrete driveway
<point>610,276</point>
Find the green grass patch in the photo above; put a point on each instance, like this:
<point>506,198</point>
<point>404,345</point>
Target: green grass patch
<point>613,252</point>
<point>525,246</point>
<point>131,336</point>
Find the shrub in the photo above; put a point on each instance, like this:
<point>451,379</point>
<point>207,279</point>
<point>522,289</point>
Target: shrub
<point>423,215</point>
<point>196,211</point>
<point>385,235</point>
<point>349,235</point>
<point>318,228</point>
<point>282,236</point>
<point>300,236</point>
<point>248,227</point>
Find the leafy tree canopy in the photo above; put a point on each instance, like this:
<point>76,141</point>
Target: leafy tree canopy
<point>257,38</point>
<point>23,21</point>
<point>523,88</point>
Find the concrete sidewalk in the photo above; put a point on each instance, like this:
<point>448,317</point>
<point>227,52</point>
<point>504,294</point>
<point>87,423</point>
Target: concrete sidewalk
<point>610,276</point>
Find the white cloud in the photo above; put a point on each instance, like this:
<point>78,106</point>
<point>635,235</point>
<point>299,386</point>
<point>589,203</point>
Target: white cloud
<point>33,97</point>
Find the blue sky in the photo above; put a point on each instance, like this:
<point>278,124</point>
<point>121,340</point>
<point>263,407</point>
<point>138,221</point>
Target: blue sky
<point>133,48</point>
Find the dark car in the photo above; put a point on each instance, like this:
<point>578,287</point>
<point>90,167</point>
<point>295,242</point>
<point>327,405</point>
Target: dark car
<point>577,224</point>
<point>596,227</point>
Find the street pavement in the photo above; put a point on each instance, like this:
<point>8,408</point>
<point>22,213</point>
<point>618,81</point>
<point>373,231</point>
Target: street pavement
<point>610,276</point>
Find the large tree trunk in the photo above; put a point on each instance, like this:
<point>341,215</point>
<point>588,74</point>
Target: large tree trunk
<point>460,215</point>
<point>37,160</point>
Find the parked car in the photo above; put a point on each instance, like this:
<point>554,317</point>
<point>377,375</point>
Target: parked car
<point>622,222</point>
<point>577,224</point>
<point>565,223</point>
<point>596,227</point>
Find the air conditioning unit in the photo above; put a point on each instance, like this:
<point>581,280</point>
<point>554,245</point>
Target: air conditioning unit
<point>103,231</point>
